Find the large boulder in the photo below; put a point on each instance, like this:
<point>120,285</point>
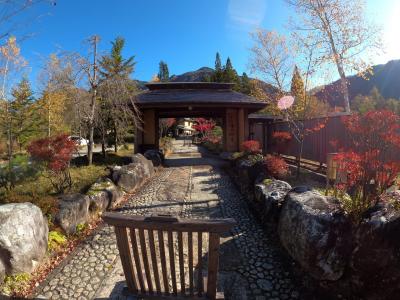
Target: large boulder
<point>155,156</point>
<point>73,210</point>
<point>316,232</point>
<point>104,194</point>
<point>247,173</point>
<point>23,237</point>
<point>132,176</point>
<point>375,261</point>
<point>147,164</point>
<point>270,195</point>
<point>128,177</point>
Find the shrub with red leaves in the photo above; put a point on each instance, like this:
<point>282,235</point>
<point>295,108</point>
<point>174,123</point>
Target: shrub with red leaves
<point>281,136</point>
<point>369,163</point>
<point>276,166</point>
<point>55,153</point>
<point>251,146</point>
<point>204,126</point>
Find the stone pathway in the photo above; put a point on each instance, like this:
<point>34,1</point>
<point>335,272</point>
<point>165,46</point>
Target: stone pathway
<point>251,264</point>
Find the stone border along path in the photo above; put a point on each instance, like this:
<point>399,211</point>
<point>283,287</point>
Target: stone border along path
<point>251,267</point>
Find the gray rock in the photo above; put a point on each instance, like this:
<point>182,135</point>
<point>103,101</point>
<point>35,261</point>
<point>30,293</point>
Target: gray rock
<point>147,164</point>
<point>73,210</point>
<point>271,195</point>
<point>265,285</point>
<point>375,261</point>
<point>23,237</point>
<point>316,233</point>
<point>155,156</point>
<point>104,194</point>
<point>130,177</point>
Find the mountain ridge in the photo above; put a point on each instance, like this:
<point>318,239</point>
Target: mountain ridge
<point>385,77</point>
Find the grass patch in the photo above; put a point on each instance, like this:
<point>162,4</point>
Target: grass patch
<point>16,283</point>
<point>267,181</point>
<point>56,241</point>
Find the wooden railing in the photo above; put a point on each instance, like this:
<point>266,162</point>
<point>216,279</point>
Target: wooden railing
<point>142,245</point>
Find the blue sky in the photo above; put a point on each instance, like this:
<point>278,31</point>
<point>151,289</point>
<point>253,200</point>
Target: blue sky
<point>184,33</point>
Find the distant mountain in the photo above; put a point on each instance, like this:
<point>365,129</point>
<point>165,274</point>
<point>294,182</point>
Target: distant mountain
<point>385,77</point>
<point>193,76</point>
<point>204,72</point>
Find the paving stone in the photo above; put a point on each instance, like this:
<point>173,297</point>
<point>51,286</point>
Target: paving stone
<point>188,191</point>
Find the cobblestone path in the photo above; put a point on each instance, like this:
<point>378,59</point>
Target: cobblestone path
<point>251,266</point>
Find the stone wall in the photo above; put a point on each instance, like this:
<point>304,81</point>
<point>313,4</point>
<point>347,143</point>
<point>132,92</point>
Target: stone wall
<point>106,193</point>
<point>24,229</point>
<point>359,261</point>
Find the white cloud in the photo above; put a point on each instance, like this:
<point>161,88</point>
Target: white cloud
<point>246,14</point>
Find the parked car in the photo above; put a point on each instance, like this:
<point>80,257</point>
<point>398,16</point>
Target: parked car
<point>79,140</point>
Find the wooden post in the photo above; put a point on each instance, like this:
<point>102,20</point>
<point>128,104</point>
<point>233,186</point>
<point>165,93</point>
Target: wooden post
<point>213,249</point>
<point>149,127</point>
<point>231,128</point>
<point>241,128</point>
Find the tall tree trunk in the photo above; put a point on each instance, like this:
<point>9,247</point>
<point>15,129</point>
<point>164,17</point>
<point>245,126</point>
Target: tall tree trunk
<point>115,138</point>
<point>93,84</point>
<point>91,144</point>
<point>326,24</point>
<point>299,158</point>
<point>345,89</point>
<point>103,142</point>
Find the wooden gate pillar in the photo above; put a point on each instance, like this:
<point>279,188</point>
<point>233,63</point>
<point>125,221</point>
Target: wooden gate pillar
<point>146,138</point>
<point>231,130</point>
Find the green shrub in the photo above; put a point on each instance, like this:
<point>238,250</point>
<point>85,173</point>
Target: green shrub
<point>55,241</point>
<point>267,181</point>
<point>80,228</point>
<point>14,284</point>
<point>252,159</point>
<point>217,131</point>
<point>237,155</point>
<point>21,169</point>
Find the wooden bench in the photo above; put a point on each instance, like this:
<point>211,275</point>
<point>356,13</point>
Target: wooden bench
<point>153,282</point>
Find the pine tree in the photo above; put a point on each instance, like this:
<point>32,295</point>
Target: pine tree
<point>245,87</point>
<point>218,64</point>
<point>163,73</point>
<point>116,91</point>
<point>25,120</point>
<point>114,64</point>
<point>218,75</point>
<point>298,92</point>
<point>230,75</point>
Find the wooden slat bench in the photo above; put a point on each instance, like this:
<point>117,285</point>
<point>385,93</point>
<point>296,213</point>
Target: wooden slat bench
<point>148,272</point>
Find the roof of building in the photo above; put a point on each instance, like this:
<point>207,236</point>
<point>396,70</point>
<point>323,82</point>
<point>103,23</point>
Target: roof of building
<point>192,93</point>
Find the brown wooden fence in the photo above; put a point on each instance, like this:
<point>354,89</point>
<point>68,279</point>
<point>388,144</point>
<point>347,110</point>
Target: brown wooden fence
<point>316,145</point>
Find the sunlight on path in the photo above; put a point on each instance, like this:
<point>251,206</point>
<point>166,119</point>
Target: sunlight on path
<point>250,263</point>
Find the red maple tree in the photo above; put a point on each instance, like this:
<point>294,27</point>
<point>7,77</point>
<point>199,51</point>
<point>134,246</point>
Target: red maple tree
<point>55,154</point>
<point>370,163</point>
<point>204,126</point>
